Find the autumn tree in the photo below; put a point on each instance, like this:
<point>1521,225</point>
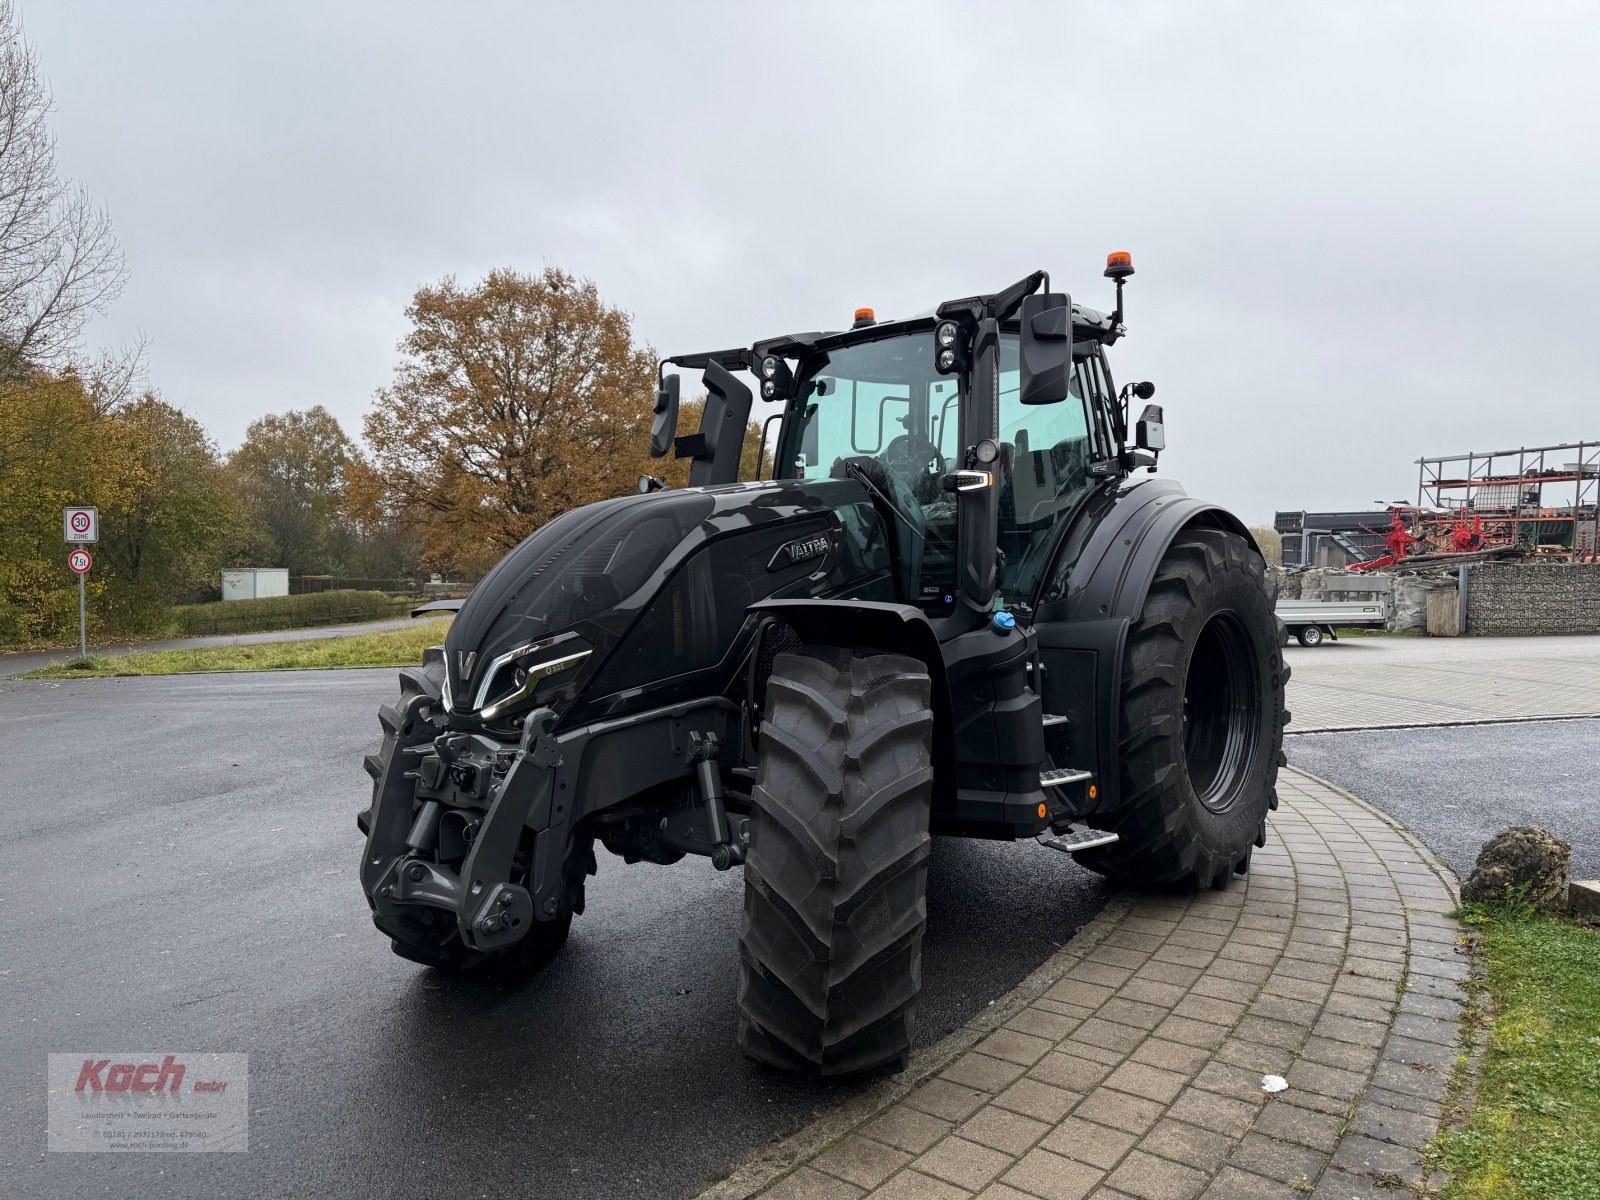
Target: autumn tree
<point>168,516</point>
<point>517,398</point>
<point>290,473</point>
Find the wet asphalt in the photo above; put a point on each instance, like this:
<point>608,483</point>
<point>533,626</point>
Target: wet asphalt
<point>1457,786</point>
<point>177,873</point>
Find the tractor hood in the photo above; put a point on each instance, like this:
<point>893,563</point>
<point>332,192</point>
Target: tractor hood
<point>578,566</point>
<point>580,581</point>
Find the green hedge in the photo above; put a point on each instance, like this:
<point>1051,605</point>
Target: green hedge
<point>287,612</point>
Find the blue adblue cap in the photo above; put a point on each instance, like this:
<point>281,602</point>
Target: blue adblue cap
<point>1003,622</point>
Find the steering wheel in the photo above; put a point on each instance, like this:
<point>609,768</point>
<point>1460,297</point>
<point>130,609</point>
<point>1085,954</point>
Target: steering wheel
<point>910,456</point>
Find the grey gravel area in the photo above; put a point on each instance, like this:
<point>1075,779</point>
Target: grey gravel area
<point>1455,787</point>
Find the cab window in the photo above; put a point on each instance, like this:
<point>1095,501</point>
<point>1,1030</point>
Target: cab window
<point>1045,452</point>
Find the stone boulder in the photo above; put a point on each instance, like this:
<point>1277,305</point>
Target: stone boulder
<point>1521,856</point>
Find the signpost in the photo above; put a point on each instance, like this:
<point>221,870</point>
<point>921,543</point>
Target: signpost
<point>81,525</point>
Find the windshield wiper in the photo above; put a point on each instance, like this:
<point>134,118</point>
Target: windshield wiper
<point>859,472</point>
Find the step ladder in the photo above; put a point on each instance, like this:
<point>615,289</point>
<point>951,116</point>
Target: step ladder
<point>1077,837</point>
<point>1063,776</point>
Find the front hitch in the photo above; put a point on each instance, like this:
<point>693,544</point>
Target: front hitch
<point>492,911</point>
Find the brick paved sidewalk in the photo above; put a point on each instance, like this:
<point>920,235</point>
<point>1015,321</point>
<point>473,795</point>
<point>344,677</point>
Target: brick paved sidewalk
<point>1131,1064</point>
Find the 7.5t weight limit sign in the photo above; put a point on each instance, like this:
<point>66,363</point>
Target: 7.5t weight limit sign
<point>80,561</point>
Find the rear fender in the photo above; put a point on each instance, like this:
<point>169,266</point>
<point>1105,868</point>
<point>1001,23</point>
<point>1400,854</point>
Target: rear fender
<point>892,629</point>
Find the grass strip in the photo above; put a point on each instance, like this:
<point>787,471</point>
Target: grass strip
<point>1534,1133</point>
<point>391,648</point>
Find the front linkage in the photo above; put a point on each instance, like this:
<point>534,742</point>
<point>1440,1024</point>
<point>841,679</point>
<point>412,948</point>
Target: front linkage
<point>429,773</point>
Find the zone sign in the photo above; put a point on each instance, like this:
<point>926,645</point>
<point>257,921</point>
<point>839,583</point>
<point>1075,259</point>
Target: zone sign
<point>81,524</point>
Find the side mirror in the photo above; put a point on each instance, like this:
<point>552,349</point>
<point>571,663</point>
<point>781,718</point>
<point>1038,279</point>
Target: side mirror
<point>665,422</point>
<point>1144,390</point>
<point>1045,348</point>
<point>1150,433</point>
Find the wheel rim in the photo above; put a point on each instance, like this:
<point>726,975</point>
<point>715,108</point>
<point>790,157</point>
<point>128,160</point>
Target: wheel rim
<point>1221,711</point>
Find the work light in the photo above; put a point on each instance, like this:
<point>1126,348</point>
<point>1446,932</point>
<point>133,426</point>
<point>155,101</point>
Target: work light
<point>769,369</point>
<point>769,389</point>
<point>946,360</point>
<point>947,333</point>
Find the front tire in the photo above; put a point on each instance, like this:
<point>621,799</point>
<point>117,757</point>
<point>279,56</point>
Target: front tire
<point>830,948</point>
<point>1202,719</point>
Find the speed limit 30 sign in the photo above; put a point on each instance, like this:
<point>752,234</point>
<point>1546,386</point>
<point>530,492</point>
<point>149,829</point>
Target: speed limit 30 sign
<point>79,561</point>
<point>81,524</point>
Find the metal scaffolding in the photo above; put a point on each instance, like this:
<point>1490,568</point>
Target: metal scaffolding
<point>1545,499</point>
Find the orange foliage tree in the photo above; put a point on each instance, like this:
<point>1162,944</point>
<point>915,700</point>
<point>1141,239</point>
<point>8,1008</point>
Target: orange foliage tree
<point>517,398</point>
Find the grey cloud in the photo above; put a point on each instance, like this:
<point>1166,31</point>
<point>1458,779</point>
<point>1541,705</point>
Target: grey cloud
<point>1364,232</point>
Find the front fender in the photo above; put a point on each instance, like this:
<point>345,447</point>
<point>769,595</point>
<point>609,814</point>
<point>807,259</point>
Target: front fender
<point>893,629</point>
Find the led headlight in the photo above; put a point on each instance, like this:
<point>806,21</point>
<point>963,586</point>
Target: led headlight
<point>769,389</point>
<point>513,678</point>
<point>947,333</point>
<point>946,359</point>
<point>526,681</point>
<point>769,366</point>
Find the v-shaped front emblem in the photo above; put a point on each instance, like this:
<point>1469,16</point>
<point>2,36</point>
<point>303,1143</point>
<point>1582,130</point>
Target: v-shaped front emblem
<point>466,660</point>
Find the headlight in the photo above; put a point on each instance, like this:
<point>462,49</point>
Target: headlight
<point>526,681</point>
<point>513,678</point>
<point>769,389</point>
<point>769,366</point>
<point>946,359</point>
<point>947,333</point>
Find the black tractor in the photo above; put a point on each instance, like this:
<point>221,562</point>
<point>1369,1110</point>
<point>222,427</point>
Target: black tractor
<point>954,599</point>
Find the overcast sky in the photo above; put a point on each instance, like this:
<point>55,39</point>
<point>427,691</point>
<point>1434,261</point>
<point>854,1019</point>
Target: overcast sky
<point>1363,232</point>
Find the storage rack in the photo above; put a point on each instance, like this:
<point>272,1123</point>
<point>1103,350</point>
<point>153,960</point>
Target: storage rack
<point>1506,490</point>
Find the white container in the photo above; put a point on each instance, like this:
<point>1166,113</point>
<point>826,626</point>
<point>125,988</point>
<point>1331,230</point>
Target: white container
<point>253,583</point>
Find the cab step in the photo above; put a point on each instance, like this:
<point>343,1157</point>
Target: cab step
<point>1063,776</point>
<point>1077,837</point>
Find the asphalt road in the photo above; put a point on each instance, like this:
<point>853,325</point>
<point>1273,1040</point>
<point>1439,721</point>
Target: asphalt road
<point>21,661</point>
<point>177,873</point>
<point>1457,786</point>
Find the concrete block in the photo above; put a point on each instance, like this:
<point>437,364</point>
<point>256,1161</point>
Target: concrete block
<point>1583,898</point>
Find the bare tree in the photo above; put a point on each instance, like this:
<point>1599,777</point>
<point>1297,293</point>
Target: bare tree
<point>59,260</point>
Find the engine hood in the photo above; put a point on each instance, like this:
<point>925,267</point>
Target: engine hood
<point>605,561</point>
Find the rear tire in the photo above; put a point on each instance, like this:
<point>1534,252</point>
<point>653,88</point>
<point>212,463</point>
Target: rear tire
<point>1202,719</point>
<point>830,948</point>
<point>1309,635</point>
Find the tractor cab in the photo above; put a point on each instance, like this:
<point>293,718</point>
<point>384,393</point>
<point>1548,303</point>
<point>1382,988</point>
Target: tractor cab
<point>891,405</point>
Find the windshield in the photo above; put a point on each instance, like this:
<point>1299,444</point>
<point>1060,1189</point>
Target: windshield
<point>883,401</point>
